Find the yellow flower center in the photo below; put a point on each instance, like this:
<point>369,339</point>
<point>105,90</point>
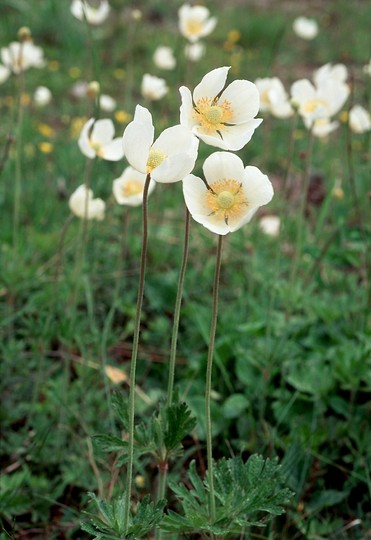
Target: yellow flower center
<point>313,104</point>
<point>211,114</point>
<point>155,158</point>
<point>225,200</point>
<point>131,188</point>
<point>97,147</point>
<point>193,27</point>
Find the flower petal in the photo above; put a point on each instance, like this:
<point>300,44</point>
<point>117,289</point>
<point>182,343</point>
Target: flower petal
<point>212,140</point>
<point>257,186</point>
<point>186,108</point>
<point>223,165</point>
<point>244,98</point>
<point>114,150</point>
<point>235,137</point>
<point>212,83</point>
<point>84,139</point>
<point>175,140</point>
<point>138,139</point>
<point>103,131</point>
<point>174,168</point>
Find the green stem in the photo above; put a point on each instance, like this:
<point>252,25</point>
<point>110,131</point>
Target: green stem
<point>18,168</point>
<point>178,303</point>
<point>209,368</point>
<point>134,355</point>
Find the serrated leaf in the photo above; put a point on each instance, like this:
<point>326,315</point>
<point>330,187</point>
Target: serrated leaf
<point>179,424</point>
<point>120,406</point>
<point>109,443</point>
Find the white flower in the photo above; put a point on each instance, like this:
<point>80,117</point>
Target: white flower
<point>359,119</point>
<point>163,57</point>
<point>231,195</point>
<point>270,225</point>
<point>169,159</point>
<point>83,205</point>
<point>81,10</point>
<point>128,188</point>
<point>194,51</point>
<point>321,127</point>
<point>107,103</point>
<point>194,22</point>
<point>305,28</point>
<point>337,72</point>
<point>367,69</point>
<point>20,56</point>
<point>4,73</point>
<point>96,139</point>
<point>322,102</point>
<point>153,88</point>
<point>42,96</point>
<point>273,97</point>
<point>222,118</point>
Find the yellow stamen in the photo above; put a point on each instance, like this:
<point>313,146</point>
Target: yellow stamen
<point>312,105</point>
<point>211,114</point>
<point>155,158</point>
<point>131,188</point>
<point>194,27</point>
<point>226,200</point>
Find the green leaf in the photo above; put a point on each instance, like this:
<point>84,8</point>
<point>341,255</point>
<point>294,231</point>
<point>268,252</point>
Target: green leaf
<point>234,405</point>
<point>179,424</point>
<point>109,443</point>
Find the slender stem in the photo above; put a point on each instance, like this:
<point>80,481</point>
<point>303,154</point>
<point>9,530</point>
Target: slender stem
<point>18,167</point>
<point>178,303</point>
<point>134,355</point>
<point>209,368</point>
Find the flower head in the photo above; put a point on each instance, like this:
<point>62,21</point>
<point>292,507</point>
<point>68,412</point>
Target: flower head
<point>169,158</point>
<point>359,119</point>
<point>21,56</point>
<point>305,28</point>
<point>194,51</point>
<point>153,88</point>
<point>195,22</point>
<point>4,73</point>
<point>81,10</point>
<point>42,96</point>
<point>83,205</point>
<point>128,188</point>
<point>230,196</point>
<point>222,118</point>
<point>96,139</point>
<point>337,72</point>
<point>163,57</point>
<point>273,97</point>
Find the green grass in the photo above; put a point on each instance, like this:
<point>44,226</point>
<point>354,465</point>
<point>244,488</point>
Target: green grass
<point>292,359</point>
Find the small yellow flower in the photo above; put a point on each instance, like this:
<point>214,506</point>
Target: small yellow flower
<point>119,74</point>
<point>46,147</point>
<point>53,65</point>
<point>122,117</point>
<point>74,72</point>
<point>45,130</point>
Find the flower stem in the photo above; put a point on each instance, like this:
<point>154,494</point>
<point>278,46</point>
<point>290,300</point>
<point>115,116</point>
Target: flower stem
<point>209,368</point>
<point>134,355</point>
<point>18,166</point>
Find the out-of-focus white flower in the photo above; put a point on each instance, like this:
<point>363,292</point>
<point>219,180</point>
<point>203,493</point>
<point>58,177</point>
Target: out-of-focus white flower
<point>273,97</point>
<point>337,72</point>
<point>163,57</point>
<point>107,103</point>
<point>96,139</point>
<point>367,69</point>
<point>194,51</point>
<point>305,28</point>
<point>195,22</point>
<point>230,195</point>
<point>359,119</point>
<point>270,225</point>
<point>153,88</point>
<point>42,96</point>
<point>169,159</point>
<point>20,56</point>
<point>128,188</point>
<point>321,127</point>
<point>4,73</point>
<point>222,118</point>
<point>321,102</point>
<point>81,9</point>
<point>83,205</point>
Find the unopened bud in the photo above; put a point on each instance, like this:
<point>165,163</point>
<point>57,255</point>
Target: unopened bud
<point>24,34</point>
<point>93,89</point>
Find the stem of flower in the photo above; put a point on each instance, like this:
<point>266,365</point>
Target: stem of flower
<point>209,368</point>
<point>134,355</point>
<point>18,169</point>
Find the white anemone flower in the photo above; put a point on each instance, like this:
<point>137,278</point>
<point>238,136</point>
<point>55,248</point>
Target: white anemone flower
<point>270,225</point>
<point>128,188</point>
<point>321,102</point>
<point>81,9</point>
<point>230,194</point>
<point>321,127</point>
<point>164,58</point>
<point>18,56</point>
<point>83,205</point>
<point>42,96</point>
<point>337,72</point>
<point>96,139</point>
<point>107,103</point>
<point>222,118</point>
<point>153,88</point>
<point>359,119</point>
<point>305,28</point>
<point>169,158</point>
<point>194,51</point>
<point>273,97</point>
<point>195,22</point>
<point>4,73</point>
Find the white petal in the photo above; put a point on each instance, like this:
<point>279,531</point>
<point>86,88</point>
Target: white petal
<point>208,27</point>
<point>235,137</point>
<point>244,98</point>
<point>114,150</point>
<point>186,108</point>
<point>174,168</point>
<point>223,165</point>
<point>257,186</point>
<point>302,91</point>
<point>103,131</point>
<point>212,83</point>
<point>175,140</point>
<point>212,140</point>
<point>138,139</point>
<point>84,139</point>
<point>4,73</point>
